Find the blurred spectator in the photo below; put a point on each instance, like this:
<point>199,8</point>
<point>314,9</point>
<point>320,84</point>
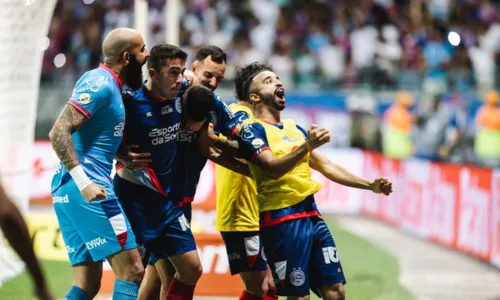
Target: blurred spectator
<point>437,57</point>
<point>379,43</point>
<point>365,128</point>
<point>396,133</point>
<point>438,132</point>
<point>487,142</point>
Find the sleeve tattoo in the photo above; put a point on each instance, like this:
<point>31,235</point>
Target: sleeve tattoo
<point>69,121</point>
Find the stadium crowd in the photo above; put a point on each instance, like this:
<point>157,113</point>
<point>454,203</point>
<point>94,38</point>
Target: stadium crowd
<point>437,49</point>
<point>319,44</point>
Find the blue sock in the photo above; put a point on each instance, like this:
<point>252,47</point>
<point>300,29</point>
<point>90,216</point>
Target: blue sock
<point>125,290</point>
<point>76,293</point>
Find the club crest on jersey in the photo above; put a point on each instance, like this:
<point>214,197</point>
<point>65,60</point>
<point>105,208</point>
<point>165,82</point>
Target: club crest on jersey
<point>166,109</point>
<point>84,98</point>
<point>178,104</point>
<point>257,143</point>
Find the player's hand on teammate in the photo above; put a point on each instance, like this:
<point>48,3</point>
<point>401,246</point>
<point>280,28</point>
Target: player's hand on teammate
<point>94,192</point>
<point>134,160</point>
<point>381,186</point>
<point>207,135</point>
<point>317,136</point>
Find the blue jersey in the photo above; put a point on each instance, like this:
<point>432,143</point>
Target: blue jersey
<point>97,95</point>
<point>190,163</point>
<point>153,124</point>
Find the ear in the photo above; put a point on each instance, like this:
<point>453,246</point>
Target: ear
<point>193,66</point>
<point>254,99</point>
<point>152,73</point>
<point>126,57</point>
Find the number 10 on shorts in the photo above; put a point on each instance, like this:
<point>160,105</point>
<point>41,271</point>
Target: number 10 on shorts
<point>330,255</point>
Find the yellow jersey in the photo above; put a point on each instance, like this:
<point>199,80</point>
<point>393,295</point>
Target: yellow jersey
<point>257,136</point>
<point>237,206</point>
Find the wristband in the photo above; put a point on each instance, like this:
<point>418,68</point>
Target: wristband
<point>80,178</point>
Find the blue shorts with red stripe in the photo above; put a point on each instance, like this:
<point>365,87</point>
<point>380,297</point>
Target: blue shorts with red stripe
<point>152,258</point>
<point>300,249</point>
<point>91,231</point>
<point>158,223</point>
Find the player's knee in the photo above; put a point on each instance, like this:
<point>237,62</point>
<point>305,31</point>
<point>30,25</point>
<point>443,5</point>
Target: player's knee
<point>190,274</point>
<point>197,271</point>
<point>135,273</point>
<point>256,284</point>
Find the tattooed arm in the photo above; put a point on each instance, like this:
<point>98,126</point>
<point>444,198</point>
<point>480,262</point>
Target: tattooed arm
<point>70,120</point>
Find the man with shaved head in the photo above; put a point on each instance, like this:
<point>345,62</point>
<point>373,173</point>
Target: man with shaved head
<point>86,137</point>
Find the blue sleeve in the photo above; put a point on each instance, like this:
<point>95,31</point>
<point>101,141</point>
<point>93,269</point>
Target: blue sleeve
<point>90,95</point>
<point>222,118</point>
<point>252,140</point>
<point>304,132</point>
<point>239,117</point>
<point>184,86</point>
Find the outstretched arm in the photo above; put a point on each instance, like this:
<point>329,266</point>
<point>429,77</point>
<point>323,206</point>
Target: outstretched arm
<point>15,230</point>
<point>319,162</point>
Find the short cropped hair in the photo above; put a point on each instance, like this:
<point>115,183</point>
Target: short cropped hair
<point>197,102</point>
<point>217,55</point>
<point>160,53</point>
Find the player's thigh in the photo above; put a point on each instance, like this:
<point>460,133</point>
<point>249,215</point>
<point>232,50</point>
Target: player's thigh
<point>288,247</point>
<point>102,225</point>
<point>151,284</point>
<point>327,275</point>
<point>165,270</point>
<point>75,245</point>
<point>244,251</point>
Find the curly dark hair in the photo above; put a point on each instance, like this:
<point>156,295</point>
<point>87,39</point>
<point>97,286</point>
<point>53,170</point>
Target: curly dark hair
<point>244,77</point>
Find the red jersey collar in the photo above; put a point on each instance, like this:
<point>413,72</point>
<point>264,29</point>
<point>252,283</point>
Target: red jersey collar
<point>150,95</point>
<point>117,80</point>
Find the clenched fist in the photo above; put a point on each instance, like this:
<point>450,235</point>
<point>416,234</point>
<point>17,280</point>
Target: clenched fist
<point>317,136</point>
<point>381,185</point>
<point>94,192</point>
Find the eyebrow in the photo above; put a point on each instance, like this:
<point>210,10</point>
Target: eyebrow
<point>266,78</point>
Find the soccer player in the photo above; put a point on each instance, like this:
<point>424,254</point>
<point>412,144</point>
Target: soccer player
<point>300,249</point>
<point>161,114</point>
<point>15,230</point>
<point>237,212</point>
<point>208,70</point>
<point>86,137</point>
